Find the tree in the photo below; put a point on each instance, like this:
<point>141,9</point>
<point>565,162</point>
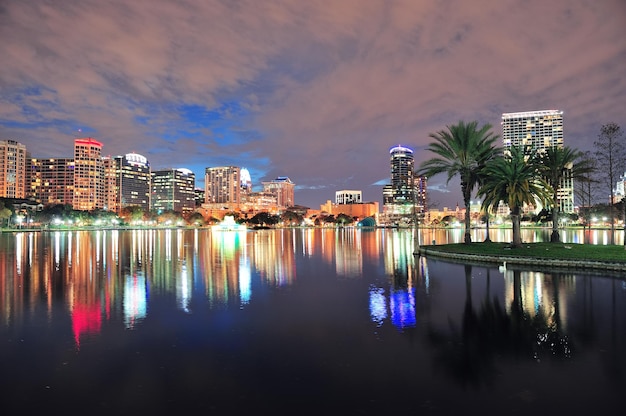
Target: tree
<point>291,218</point>
<point>132,213</point>
<point>514,178</point>
<point>195,218</point>
<point>265,219</point>
<point>463,150</point>
<point>5,213</point>
<point>610,152</point>
<point>585,191</point>
<point>343,219</point>
<point>558,165</point>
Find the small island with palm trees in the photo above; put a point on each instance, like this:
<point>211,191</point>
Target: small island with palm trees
<point>520,176</point>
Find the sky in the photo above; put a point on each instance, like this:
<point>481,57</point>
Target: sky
<point>315,90</point>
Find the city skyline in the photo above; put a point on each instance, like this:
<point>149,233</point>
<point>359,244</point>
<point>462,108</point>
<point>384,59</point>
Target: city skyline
<point>314,91</point>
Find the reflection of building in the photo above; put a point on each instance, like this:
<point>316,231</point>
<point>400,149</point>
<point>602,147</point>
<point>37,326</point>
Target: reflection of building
<point>173,190</point>
<point>539,130</point>
<point>539,295</point>
<point>398,304</point>
<point>135,299</point>
<point>12,169</point>
<point>406,193</point>
<point>348,259</point>
<point>88,175</point>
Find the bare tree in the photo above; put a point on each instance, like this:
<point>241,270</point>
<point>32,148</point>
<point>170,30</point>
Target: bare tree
<point>585,189</point>
<point>610,152</point>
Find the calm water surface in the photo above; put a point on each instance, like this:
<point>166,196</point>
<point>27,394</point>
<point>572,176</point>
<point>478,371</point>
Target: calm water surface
<point>298,322</point>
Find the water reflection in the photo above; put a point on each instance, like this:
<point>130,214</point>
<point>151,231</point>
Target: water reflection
<point>300,310</point>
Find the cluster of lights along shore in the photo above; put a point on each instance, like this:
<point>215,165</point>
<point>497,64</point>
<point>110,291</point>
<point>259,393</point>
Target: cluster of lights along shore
<point>89,181</point>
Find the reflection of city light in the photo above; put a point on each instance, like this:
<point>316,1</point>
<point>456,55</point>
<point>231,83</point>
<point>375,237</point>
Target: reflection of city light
<point>378,305</point>
<point>86,319</point>
<point>19,237</point>
<point>402,305</point>
<point>135,302</point>
<point>57,250</point>
<point>183,291</point>
<point>245,281</point>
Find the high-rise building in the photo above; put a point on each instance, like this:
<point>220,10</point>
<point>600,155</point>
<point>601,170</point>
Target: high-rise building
<point>88,175</point>
<point>223,186</point>
<point>130,177</point>
<point>539,130</point>
<point>173,190</point>
<point>12,169</point>
<point>284,189</point>
<point>406,194</point>
<point>51,181</point>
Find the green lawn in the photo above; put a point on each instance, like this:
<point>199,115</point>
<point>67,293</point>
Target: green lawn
<point>612,253</point>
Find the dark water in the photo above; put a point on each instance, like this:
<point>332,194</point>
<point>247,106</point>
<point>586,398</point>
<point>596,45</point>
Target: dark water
<point>298,322</point>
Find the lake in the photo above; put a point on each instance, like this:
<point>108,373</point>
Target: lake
<point>297,321</point>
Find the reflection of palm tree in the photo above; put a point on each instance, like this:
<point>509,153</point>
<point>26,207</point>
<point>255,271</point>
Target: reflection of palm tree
<point>468,354</point>
<point>614,360</point>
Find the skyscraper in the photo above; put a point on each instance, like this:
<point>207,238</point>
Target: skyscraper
<point>539,130</point>
<point>12,169</point>
<point>88,175</point>
<point>131,182</point>
<point>51,181</point>
<point>173,190</point>
<point>406,193</point>
<point>223,186</point>
<point>283,188</point>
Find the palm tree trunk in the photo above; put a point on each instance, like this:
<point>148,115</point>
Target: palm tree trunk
<point>487,239</point>
<point>555,237</point>
<point>466,201</point>
<point>517,230</point>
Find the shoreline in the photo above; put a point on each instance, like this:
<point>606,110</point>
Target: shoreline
<point>529,263</point>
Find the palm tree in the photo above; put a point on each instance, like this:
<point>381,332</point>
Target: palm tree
<point>557,165</point>
<point>463,149</point>
<point>515,178</point>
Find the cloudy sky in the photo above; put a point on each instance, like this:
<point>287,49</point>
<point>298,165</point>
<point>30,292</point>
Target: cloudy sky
<point>315,90</point>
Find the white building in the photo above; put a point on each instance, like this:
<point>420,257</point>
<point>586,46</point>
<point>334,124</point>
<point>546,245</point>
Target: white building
<point>348,197</point>
<point>540,130</point>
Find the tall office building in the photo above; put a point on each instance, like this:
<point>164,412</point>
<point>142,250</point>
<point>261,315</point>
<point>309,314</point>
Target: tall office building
<point>128,182</point>
<point>12,169</point>
<point>88,175</point>
<point>223,186</point>
<point>407,192</point>
<point>174,190</point>
<point>284,189</point>
<point>540,130</point>
<point>51,181</point>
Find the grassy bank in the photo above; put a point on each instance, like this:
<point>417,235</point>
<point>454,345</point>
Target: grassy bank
<point>552,251</point>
